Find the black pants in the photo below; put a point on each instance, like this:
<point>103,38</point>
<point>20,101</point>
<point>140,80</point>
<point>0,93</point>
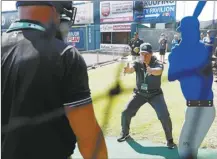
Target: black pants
<point>162,51</point>
<point>159,105</point>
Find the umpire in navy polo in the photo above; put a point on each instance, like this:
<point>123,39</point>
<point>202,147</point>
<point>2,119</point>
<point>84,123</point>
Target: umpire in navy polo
<point>135,43</point>
<point>148,82</point>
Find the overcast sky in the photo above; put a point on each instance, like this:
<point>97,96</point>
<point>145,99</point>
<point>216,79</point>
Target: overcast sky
<point>207,13</point>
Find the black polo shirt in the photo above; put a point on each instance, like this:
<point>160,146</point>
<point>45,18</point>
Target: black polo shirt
<point>135,43</point>
<point>40,75</point>
<point>153,82</point>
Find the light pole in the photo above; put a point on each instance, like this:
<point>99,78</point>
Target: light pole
<point>213,18</point>
<point>184,2</point>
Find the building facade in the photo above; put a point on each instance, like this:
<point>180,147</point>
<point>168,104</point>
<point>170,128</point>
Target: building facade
<point>116,24</point>
<point>111,24</point>
<point>81,35</point>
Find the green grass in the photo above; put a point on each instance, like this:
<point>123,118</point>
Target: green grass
<point>145,124</point>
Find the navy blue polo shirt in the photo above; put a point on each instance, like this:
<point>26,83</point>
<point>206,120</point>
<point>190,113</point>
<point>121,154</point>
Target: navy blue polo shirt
<point>153,82</point>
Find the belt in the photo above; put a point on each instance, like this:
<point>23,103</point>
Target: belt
<point>148,93</point>
<point>150,90</point>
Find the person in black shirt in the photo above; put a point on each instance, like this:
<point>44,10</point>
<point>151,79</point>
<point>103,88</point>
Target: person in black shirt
<point>163,47</point>
<point>135,44</point>
<point>148,82</point>
<point>46,102</point>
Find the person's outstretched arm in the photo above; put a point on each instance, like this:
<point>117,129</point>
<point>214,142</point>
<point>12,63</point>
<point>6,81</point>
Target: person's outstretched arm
<point>79,109</point>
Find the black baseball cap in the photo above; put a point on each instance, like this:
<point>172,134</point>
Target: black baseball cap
<point>135,33</point>
<point>145,48</point>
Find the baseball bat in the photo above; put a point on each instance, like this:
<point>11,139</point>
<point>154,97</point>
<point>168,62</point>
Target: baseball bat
<point>128,65</point>
<point>199,8</point>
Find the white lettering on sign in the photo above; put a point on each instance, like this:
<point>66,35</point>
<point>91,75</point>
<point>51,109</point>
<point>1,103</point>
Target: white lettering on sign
<point>73,37</point>
<point>84,13</point>
<point>148,4</point>
<point>161,10</point>
<point>115,27</point>
<point>121,27</point>
<point>116,11</point>
<point>122,7</point>
<point>89,35</point>
<point>74,33</point>
<point>106,28</point>
<point>116,47</point>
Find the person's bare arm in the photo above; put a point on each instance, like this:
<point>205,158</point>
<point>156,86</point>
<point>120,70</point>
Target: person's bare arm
<point>91,142</point>
<point>154,71</point>
<point>78,107</point>
<point>157,70</point>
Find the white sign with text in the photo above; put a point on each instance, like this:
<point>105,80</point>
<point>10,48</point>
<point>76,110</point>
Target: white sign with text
<point>84,13</point>
<point>116,11</point>
<point>116,47</point>
<point>126,27</point>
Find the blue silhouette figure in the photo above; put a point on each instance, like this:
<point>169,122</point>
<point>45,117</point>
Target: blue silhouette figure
<point>190,64</point>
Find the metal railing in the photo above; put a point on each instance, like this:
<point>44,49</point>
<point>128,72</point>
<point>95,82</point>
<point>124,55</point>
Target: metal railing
<point>100,57</point>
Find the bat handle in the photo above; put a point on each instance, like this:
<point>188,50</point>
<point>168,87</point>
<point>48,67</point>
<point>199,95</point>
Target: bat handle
<point>128,65</point>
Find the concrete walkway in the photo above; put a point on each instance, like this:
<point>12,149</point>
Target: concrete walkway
<point>145,150</point>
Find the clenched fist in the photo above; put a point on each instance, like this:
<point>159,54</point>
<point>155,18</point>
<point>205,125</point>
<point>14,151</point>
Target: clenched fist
<point>126,69</point>
<point>149,70</point>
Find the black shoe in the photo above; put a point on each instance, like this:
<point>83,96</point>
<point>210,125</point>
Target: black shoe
<point>123,138</point>
<point>171,144</point>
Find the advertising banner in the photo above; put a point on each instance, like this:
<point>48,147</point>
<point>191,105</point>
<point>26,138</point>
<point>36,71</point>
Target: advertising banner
<point>91,39</point>
<point>8,17</point>
<point>126,27</point>
<point>76,38</point>
<point>156,11</point>
<point>116,47</point>
<point>84,13</point>
<point>116,11</point>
